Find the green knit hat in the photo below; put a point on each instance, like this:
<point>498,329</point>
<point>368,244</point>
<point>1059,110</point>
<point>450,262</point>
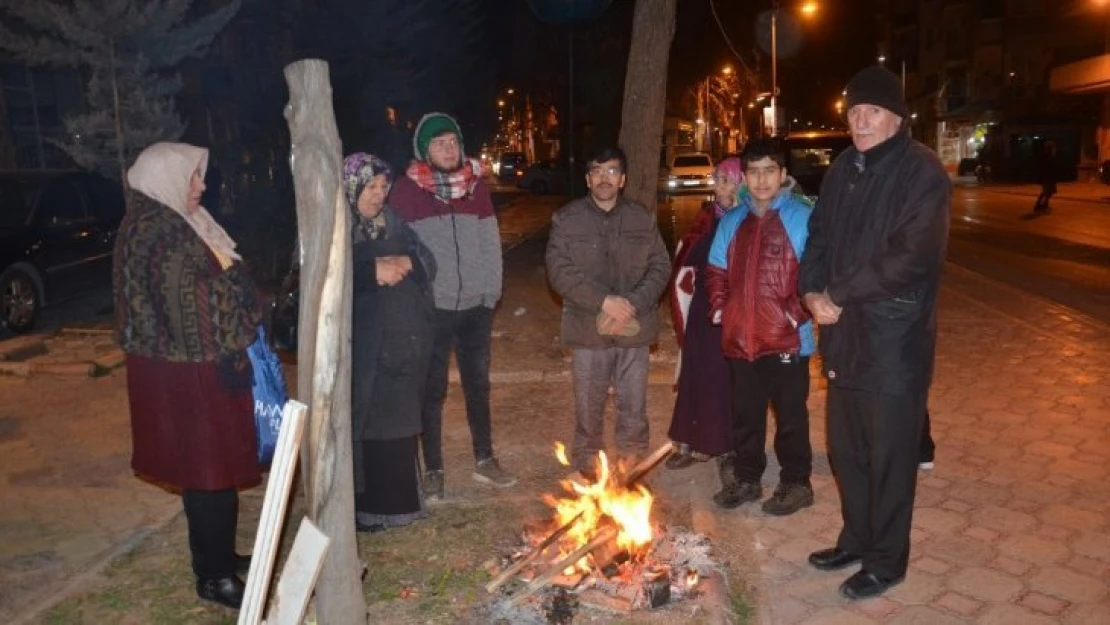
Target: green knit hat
<point>431,125</point>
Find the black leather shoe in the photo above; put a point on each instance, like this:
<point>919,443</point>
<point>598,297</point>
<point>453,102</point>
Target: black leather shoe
<point>832,559</point>
<point>242,565</point>
<point>227,591</point>
<point>865,584</point>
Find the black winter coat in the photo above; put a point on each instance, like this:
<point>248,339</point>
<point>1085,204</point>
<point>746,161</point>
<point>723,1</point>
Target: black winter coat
<point>391,339</point>
<point>877,244</point>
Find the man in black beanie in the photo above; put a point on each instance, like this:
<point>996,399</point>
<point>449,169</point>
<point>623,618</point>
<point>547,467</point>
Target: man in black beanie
<point>870,275</point>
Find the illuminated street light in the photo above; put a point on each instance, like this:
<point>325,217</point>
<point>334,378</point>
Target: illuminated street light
<point>500,103</point>
<point>809,9</point>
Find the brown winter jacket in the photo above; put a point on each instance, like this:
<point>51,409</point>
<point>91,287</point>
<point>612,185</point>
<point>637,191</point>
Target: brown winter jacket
<point>592,254</point>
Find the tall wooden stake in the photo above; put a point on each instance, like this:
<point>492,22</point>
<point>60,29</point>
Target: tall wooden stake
<point>323,351</point>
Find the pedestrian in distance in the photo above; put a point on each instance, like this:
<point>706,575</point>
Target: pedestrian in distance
<point>443,197</point>
<point>1047,175</point>
<point>607,260</point>
<point>766,333</point>
<point>391,349</point>
<point>185,313</point>
<point>701,424</point>
<point>870,275</point>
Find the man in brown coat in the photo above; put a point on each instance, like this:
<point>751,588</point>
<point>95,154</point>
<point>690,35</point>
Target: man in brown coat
<point>607,260</point>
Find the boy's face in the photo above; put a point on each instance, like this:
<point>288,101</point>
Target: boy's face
<point>764,178</point>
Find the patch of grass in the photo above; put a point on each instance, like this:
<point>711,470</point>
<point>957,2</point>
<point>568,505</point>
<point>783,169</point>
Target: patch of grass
<point>432,571</point>
<point>740,605</point>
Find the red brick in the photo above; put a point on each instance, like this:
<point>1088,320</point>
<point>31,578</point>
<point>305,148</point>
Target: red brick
<point>1044,603</point>
<point>964,606</point>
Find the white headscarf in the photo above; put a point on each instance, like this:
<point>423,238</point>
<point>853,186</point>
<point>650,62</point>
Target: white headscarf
<point>163,173</point>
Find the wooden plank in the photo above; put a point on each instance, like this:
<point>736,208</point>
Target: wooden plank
<point>273,512</point>
<point>298,576</point>
<point>23,347</point>
<point>111,360</point>
<point>324,347</point>
<point>81,369</point>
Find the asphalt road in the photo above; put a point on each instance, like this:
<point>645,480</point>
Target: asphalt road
<point>1063,257</point>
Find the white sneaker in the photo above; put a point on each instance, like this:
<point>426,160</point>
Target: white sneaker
<point>925,466</point>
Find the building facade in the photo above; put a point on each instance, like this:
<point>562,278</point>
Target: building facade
<point>977,76</point>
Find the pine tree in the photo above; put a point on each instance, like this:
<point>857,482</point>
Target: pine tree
<point>128,50</point>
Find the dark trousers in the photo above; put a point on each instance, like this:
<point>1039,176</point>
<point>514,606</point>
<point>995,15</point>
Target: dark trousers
<point>594,371</point>
<point>468,333</point>
<point>212,516</point>
<point>783,383</point>
<point>1048,189</point>
<point>928,447</point>
<point>874,440</point>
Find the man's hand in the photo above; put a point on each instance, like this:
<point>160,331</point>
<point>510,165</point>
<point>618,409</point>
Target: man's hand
<point>824,310</point>
<point>619,309</point>
<point>716,317</point>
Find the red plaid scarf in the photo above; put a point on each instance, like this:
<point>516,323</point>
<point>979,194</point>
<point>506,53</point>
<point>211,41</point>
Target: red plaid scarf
<point>446,186</point>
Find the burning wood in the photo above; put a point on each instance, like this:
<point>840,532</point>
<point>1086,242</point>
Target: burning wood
<point>606,549</point>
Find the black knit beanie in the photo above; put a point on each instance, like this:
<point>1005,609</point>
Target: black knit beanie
<point>879,86</point>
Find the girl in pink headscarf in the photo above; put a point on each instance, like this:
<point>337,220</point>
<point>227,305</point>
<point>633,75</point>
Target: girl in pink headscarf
<point>701,425</point>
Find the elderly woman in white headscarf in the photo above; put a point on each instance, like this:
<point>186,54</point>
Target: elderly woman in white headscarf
<point>391,349</point>
<point>186,310</point>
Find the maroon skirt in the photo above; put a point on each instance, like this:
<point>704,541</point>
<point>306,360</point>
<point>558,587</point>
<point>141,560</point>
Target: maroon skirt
<point>187,431</point>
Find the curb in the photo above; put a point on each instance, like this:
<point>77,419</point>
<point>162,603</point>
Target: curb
<point>54,596</point>
<point>1058,196</point>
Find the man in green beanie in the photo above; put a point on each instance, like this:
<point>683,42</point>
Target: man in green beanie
<point>443,197</point>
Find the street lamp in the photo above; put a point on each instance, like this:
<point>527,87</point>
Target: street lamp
<point>809,9</point>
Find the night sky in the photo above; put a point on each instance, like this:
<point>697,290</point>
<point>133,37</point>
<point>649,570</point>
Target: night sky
<point>841,40</point>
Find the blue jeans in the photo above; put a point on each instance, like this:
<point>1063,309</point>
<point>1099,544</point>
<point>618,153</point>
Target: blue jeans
<point>594,371</point>
<point>468,332</point>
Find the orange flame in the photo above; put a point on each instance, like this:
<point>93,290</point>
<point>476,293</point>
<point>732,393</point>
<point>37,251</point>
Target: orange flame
<point>628,508</point>
<point>691,578</point>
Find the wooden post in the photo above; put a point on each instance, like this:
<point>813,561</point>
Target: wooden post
<point>323,351</point>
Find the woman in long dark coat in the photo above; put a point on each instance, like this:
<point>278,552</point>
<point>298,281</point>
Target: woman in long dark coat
<point>391,349</point>
<point>186,311</point>
<point>701,424</point>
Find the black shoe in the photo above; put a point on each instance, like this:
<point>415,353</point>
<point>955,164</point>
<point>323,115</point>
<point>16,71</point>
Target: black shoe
<point>735,495</point>
<point>242,565</point>
<point>679,461</point>
<point>226,591</point>
<point>832,559</point>
<point>865,584</point>
<point>788,499</point>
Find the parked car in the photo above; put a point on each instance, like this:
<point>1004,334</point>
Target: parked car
<point>692,171</point>
<point>57,232</point>
<point>545,177</point>
<point>809,155</point>
<point>510,166</point>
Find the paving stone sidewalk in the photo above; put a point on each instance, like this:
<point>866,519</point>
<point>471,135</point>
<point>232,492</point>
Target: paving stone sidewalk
<point>1013,525</point>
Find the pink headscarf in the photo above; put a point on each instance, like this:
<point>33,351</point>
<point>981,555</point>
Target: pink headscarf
<point>731,170</point>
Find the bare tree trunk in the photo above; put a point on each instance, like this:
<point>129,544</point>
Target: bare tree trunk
<point>323,351</point>
<point>645,95</point>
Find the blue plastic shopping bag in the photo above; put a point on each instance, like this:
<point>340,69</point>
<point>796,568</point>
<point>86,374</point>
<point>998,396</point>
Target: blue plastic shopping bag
<point>270,395</point>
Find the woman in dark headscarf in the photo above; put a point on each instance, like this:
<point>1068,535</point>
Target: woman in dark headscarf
<point>391,349</point>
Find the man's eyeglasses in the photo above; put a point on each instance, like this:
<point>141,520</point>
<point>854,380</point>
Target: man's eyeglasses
<point>612,172</point>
